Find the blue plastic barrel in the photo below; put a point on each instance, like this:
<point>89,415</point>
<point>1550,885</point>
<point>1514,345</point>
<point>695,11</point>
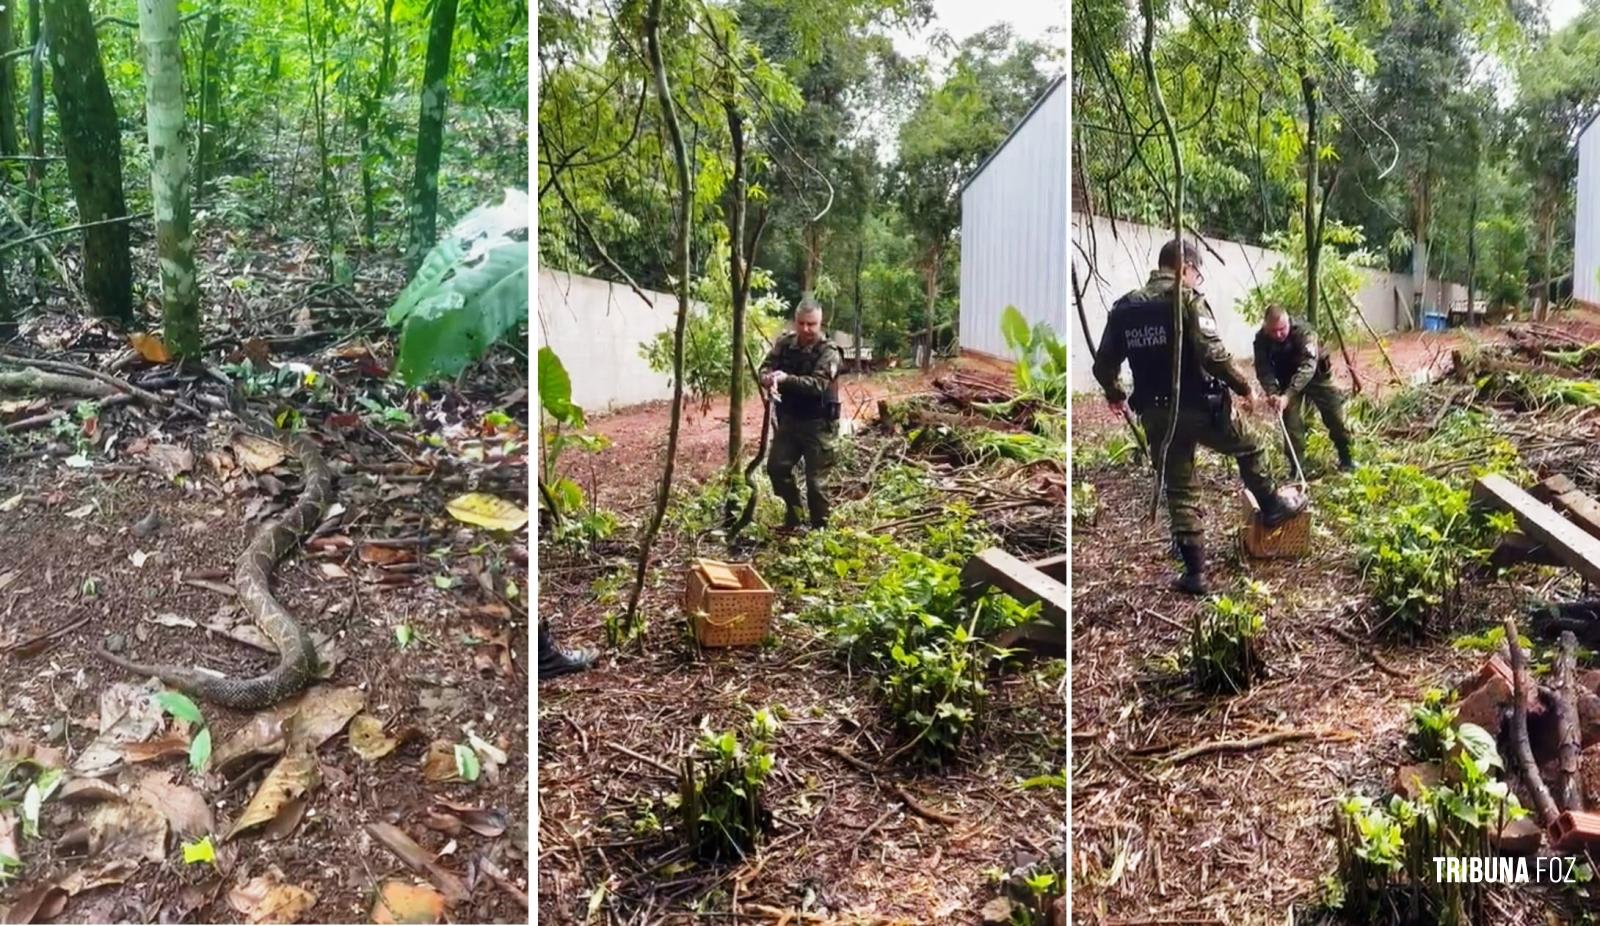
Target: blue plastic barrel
<point>1434,323</point>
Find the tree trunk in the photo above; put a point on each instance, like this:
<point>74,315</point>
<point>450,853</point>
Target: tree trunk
<point>1472,251</point>
<point>1419,248</point>
<point>737,285</point>
<point>1547,253</point>
<point>169,175</point>
<point>36,193</point>
<point>371,115</point>
<point>93,145</point>
<point>8,81</point>
<point>680,259</point>
<point>861,243</point>
<point>430,133</point>
<point>319,113</point>
<point>210,95</point>
<point>1308,93</point>
<point>932,283</point>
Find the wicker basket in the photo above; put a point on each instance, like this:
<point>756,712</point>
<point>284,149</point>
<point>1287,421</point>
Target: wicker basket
<point>729,617</point>
<point>1292,538</point>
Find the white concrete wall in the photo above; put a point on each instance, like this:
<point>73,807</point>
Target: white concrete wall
<point>1586,236</point>
<point>1014,215</point>
<point>1124,253</point>
<point>596,327</point>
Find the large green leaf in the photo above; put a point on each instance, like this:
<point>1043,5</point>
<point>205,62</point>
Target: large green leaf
<point>471,310</point>
<point>1015,328</point>
<point>555,390</point>
<point>484,229</point>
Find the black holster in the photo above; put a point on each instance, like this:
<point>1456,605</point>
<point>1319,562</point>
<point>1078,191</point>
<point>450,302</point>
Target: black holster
<point>1219,401</point>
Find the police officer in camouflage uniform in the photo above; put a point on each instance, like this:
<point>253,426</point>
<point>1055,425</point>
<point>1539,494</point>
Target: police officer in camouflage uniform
<point>802,368</point>
<point>1140,330</point>
<point>1293,368</point>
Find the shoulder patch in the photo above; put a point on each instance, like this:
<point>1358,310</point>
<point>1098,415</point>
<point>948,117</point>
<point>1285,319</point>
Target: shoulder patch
<point>1311,344</point>
<point>1207,325</point>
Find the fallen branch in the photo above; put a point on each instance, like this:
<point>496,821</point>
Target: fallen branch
<point>1570,788</point>
<point>1543,803</point>
<point>1377,661</point>
<point>1258,742</point>
<point>122,385</point>
<point>922,810</point>
<point>32,379</point>
<point>850,760</point>
<point>662,766</point>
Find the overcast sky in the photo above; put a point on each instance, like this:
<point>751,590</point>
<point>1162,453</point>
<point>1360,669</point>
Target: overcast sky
<point>961,18</point>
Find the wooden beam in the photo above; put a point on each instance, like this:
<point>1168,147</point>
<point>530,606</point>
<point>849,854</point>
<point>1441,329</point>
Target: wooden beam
<point>1053,566</point>
<point>1577,549</point>
<point>1556,485</point>
<point>995,567</point>
<point>1580,509</point>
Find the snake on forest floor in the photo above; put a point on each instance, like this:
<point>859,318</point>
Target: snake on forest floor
<point>297,656</point>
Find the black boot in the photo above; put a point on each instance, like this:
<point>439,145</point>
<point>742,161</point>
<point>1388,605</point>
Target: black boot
<point>1193,580</point>
<point>791,518</point>
<point>554,661</point>
<point>1347,460</point>
<point>1275,511</point>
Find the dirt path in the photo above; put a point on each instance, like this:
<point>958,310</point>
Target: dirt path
<point>623,477</point>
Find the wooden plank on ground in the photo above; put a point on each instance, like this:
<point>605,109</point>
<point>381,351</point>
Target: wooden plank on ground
<point>1580,509</point>
<point>1569,542</point>
<point>1021,581</point>
<point>1549,489</point>
<point>1053,566</point>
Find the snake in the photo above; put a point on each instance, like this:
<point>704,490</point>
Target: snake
<point>252,577</point>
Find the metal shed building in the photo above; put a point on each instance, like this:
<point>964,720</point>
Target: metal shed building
<point>1015,228</point>
<point>1586,236</point>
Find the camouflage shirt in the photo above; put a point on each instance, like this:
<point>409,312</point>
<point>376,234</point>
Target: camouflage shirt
<point>1290,365</point>
<point>1139,330</point>
<point>811,375</point>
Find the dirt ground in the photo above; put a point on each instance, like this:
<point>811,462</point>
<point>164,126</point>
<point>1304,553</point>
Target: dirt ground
<point>120,552</point>
<point>623,476</point>
<point>847,842</point>
<point>1240,837</point>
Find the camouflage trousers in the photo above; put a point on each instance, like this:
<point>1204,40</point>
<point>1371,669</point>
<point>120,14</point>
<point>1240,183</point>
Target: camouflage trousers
<point>809,440</point>
<point>1329,402</point>
<point>1200,428</point>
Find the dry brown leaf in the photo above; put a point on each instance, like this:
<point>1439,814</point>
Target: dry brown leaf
<point>258,454</point>
<point>368,740</point>
<point>8,836</point>
<point>377,555</point>
<point>36,905</point>
<point>484,822</point>
<point>88,791</point>
<point>440,762</point>
<point>310,718</point>
<point>83,879</point>
<point>185,808</point>
<point>128,714</point>
<point>173,744</point>
<point>128,830</point>
<point>150,347</point>
<point>446,823</point>
<point>293,776</point>
<point>265,899</point>
<point>399,902</point>
<point>406,849</point>
<point>322,712</point>
<point>333,571</point>
<point>170,460</point>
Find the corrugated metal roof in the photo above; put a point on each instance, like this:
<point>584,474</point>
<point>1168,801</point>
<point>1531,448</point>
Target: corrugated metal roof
<point>1037,104</point>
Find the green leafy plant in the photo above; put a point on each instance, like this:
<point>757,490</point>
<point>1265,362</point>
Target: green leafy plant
<point>935,693</point>
<point>720,790</point>
<point>1225,641</point>
<point>1041,368</point>
<point>560,430</point>
<point>1085,504</point>
<point>180,707</point>
<point>1433,732</point>
<point>469,293</point>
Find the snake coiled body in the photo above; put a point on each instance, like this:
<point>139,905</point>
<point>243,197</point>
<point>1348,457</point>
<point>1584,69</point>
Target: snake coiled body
<point>297,657</point>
